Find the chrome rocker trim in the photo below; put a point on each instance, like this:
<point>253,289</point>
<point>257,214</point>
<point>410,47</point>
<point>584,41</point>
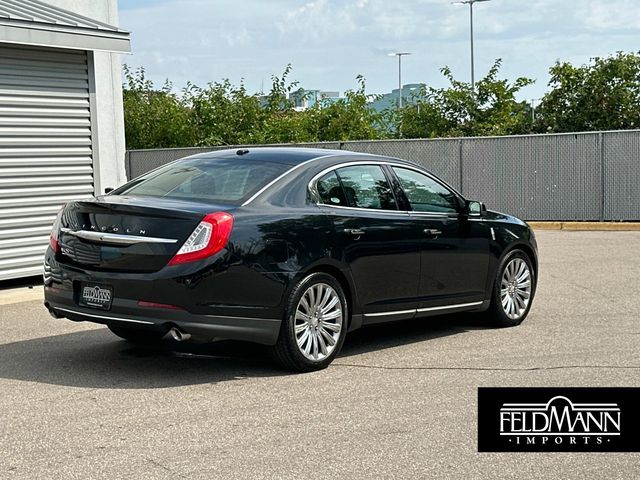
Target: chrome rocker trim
<point>423,310</point>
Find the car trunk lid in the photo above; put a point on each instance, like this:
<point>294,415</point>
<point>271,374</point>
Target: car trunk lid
<point>128,234</point>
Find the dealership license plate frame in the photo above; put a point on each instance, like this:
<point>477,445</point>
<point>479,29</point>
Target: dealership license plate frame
<point>97,300</point>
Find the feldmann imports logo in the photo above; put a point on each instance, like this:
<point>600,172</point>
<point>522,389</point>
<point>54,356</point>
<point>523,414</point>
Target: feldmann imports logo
<point>559,420</point>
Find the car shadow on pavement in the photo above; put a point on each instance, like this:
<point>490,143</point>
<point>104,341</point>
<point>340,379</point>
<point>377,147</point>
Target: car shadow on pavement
<point>395,334</point>
<point>97,359</point>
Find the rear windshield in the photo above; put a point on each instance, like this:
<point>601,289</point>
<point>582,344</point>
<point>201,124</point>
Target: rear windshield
<point>225,180</point>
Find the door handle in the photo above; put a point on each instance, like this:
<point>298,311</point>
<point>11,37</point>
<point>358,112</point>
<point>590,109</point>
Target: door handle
<point>432,232</point>
<point>356,232</point>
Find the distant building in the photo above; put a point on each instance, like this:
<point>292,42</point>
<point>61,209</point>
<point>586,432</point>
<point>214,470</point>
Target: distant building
<point>389,100</point>
<point>303,99</point>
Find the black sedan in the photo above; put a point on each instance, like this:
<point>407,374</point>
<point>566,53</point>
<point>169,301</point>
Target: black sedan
<point>287,247</point>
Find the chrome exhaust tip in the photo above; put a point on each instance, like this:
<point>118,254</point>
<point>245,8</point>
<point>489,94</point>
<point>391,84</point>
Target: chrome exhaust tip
<point>177,335</point>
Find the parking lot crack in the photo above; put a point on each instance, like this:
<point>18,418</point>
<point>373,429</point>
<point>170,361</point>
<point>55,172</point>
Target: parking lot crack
<point>165,468</point>
<point>490,369</point>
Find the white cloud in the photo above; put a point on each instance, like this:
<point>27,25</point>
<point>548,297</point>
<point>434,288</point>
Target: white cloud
<point>615,15</point>
<point>329,42</point>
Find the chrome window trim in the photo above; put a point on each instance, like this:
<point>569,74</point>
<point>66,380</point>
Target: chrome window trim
<point>404,213</point>
<point>423,310</point>
<point>102,317</point>
<point>361,209</point>
<point>114,238</point>
<point>314,191</point>
<point>449,216</point>
<point>280,177</point>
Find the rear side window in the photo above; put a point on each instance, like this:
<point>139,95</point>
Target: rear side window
<point>223,180</point>
<point>331,191</point>
<point>366,186</point>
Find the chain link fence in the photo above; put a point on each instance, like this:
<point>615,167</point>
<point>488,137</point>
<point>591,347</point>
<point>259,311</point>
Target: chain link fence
<point>560,177</point>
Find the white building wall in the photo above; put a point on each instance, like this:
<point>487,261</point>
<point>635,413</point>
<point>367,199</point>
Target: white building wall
<point>110,148</point>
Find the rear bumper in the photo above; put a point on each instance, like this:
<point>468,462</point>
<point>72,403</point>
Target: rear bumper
<point>262,330</point>
<point>253,322</point>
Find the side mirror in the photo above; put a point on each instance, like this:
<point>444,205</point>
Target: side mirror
<point>108,190</point>
<point>476,209</point>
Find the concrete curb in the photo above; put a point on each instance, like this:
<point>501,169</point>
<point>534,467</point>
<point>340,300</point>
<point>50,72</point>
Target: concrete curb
<point>587,226</point>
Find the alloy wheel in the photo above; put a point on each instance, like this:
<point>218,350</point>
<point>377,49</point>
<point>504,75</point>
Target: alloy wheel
<point>515,289</point>
<point>318,321</point>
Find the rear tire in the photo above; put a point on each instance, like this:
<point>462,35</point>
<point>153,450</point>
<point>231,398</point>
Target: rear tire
<point>315,325</point>
<point>513,290</point>
<point>136,335</point>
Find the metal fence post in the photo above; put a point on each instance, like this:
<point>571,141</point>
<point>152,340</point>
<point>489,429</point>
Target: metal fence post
<point>602,178</point>
<point>460,165</point>
<point>127,164</point>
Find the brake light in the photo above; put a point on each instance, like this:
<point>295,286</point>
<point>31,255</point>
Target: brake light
<point>55,231</point>
<point>208,238</point>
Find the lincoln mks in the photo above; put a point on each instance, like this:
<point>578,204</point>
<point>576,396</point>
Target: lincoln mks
<point>287,247</point>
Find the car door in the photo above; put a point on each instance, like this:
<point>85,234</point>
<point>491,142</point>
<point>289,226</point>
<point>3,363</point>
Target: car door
<point>454,250</point>
<point>377,242</point>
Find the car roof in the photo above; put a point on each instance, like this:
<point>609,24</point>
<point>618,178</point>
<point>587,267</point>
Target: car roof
<point>287,155</point>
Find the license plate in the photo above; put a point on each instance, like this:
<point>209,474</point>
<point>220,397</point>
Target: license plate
<point>96,296</point>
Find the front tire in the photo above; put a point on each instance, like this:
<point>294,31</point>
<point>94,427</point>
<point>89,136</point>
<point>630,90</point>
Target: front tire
<point>513,290</point>
<point>315,325</point>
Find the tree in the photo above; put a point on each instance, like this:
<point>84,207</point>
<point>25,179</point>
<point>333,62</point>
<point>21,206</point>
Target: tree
<point>223,114</point>
<point>459,111</point>
<point>282,123</point>
<point>602,95</point>
<point>348,118</point>
<point>154,118</point>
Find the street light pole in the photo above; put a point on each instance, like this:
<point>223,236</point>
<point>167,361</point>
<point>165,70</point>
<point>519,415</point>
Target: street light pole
<point>399,55</point>
<point>470,3</point>
<point>533,110</point>
<point>400,81</point>
<point>473,63</point>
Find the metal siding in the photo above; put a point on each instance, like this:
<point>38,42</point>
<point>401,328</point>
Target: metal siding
<point>45,149</point>
<point>35,23</point>
<point>40,12</point>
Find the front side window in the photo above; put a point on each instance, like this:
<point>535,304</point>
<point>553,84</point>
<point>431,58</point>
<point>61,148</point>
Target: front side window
<point>227,180</point>
<point>425,194</point>
<point>366,186</point>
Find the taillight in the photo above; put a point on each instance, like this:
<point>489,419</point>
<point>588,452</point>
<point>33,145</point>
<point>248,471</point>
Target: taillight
<point>55,231</point>
<point>208,238</point>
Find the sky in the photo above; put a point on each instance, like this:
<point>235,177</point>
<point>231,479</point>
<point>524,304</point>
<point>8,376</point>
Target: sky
<point>330,42</point>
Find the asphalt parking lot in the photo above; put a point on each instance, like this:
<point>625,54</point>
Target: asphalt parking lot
<point>400,402</point>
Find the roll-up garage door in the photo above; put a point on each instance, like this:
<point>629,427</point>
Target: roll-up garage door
<point>45,149</point>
